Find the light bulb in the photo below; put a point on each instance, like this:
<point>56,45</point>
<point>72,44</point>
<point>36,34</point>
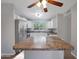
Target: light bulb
<point>44,2</point>
<point>38,4</point>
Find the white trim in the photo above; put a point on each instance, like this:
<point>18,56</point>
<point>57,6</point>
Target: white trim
<point>7,54</point>
<point>73,54</point>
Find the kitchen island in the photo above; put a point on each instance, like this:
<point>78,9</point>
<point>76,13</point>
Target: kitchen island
<point>53,48</point>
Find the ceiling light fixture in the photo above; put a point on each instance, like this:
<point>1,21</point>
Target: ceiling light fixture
<point>38,14</point>
<point>44,3</point>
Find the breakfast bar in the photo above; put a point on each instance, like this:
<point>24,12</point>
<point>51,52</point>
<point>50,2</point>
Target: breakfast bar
<point>52,48</point>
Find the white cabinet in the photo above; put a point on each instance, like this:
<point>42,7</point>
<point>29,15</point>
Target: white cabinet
<point>56,54</point>
<point>20,30</point>
<point>52,23</point>
<point>64,26</point>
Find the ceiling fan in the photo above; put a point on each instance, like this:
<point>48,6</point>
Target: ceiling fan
<point>44,2</point>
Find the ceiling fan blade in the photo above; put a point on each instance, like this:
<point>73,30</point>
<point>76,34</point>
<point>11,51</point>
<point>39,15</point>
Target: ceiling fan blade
<point>40,0</point>
<point>45,10</point>
<point>32,5</point>
<point>55,3</point>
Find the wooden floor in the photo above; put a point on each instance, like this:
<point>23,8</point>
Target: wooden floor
<point>70,57</point>
<point>67,56</point>
<point>64,58</point>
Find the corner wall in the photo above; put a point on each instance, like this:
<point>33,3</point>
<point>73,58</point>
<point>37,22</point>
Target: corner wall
<point>7,29</point>
<point>74,28</point>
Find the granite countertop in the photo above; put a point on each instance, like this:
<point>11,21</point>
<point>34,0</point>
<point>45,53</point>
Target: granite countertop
<point>52,43</point>
<point>41,31</point>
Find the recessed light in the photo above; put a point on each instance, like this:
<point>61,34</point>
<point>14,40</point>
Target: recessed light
<point>38,14</point>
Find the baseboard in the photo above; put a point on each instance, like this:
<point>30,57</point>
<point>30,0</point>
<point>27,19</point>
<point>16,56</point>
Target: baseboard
<point>7,54</point>
<point>74,55</point>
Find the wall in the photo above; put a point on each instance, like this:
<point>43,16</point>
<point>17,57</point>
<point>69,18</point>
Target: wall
<point>74,28</point>
<point>7,29</point>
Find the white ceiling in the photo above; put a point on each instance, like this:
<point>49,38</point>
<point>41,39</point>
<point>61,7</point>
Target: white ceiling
<point>35,12</point>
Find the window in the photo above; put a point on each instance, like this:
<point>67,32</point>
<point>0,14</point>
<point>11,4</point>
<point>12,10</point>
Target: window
<point>39,25</point>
